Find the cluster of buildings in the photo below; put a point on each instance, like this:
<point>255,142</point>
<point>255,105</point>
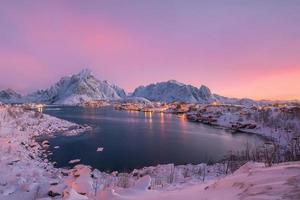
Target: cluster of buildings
<point>235,117</point>
<point>132,106</point>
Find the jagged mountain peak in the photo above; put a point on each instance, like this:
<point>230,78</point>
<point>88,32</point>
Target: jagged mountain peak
<point>204,87</point>
<point>85,73</point>
<point>84,86</point>
<point>170,91</point>
<point>174,82</point>
<point>77,88</point>
<point>205,91</point>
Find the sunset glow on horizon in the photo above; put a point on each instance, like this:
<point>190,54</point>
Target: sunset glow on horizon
<point>236,48</point>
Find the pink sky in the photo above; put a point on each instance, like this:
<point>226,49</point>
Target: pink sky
<point>237,48</point>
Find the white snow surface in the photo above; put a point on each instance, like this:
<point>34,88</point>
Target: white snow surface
<point>25,173</point>
<point>251,181</point>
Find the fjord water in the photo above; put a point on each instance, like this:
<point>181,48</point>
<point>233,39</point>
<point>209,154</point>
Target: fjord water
<point>136,139</point>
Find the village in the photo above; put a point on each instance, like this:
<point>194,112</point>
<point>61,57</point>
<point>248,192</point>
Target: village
<point>274,121</point>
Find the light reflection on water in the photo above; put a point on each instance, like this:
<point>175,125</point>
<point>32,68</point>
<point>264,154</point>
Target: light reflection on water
<point>136,139</point>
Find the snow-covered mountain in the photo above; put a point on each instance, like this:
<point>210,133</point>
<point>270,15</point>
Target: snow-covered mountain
<point>84,86</point>
<point>9,95</point>
<point>77,88</point>
<point>174,91</point>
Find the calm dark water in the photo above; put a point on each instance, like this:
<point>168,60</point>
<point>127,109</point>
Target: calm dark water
<point>136,139</point>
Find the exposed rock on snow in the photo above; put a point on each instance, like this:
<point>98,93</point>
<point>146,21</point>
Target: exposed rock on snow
<point>74,161</point>
<point>75,89</point>
<point>73,195</point>
<point>174,91</point>
<point>143,183</point>
<point>99,149</point>
<point>45,143</point>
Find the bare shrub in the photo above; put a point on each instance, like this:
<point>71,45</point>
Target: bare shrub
<point>269,153</point>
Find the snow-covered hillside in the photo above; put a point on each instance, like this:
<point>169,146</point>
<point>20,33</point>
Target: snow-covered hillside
<point>251,181</point>
<point>77,88</point>
<point>174,91</point>
<point>137,100</point>
<point>25,173</point>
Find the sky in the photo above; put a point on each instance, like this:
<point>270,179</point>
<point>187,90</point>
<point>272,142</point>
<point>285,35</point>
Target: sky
<point>236,48</point>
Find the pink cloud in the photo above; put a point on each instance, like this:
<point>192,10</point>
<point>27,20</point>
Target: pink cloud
<point>232,50</point>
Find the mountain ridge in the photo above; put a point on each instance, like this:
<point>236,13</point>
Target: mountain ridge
<point>84,86</point>
<point>172,90</point>
<point>72,90</point>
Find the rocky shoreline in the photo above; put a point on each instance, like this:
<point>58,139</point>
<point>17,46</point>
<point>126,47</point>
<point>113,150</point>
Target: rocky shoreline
<point>275,122</point>
<point>28,174</point>
<point>31,175</point>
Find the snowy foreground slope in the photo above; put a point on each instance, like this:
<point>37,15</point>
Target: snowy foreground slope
<point>23,172</point>
<point>251,181</point>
